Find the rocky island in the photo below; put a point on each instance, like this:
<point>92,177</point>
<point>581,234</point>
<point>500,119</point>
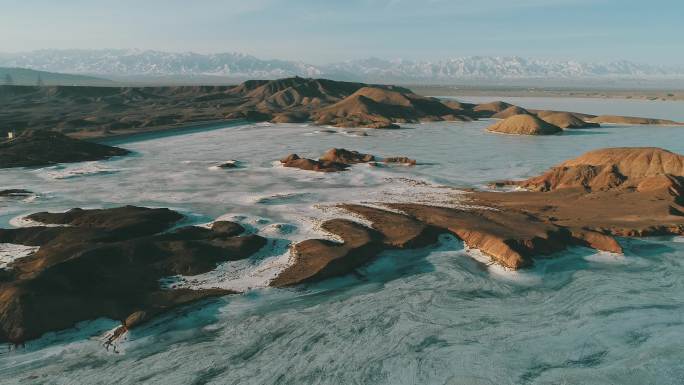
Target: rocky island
<point>340,159</point>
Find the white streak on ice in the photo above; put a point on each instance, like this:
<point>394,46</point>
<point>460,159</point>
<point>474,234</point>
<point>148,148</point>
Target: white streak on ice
<point>10,252</point>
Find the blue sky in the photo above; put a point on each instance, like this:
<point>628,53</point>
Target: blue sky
<point>324,31</point>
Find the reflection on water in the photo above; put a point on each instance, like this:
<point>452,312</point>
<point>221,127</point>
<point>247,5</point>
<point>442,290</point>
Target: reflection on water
<point>436,315</point>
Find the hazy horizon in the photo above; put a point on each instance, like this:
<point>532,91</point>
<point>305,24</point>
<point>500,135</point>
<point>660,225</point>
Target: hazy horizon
<point>324,32</point>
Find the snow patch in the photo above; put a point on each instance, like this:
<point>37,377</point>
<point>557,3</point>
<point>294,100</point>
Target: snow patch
<point>606,257</point>
<point>241,276</point>
<point>24,221</point>
<point>83,169</point>
<point>10,252</point>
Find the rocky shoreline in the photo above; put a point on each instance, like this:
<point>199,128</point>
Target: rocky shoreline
<point>109,262</point>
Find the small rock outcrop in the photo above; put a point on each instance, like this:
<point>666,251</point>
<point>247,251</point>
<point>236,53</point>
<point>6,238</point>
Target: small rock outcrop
<point>340,159</point>
<point>400,160</point>
<point>295,161</point>
<point>229,164</point>
<point>340,155</point>
<point>15,193</point>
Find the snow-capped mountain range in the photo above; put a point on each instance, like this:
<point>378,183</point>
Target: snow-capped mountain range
<point>153,63</point>
<point>496,67</point>
<point>236,65</point>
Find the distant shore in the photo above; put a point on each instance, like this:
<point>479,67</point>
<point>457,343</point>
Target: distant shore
<point>122,136</point>
<point>638,94</point>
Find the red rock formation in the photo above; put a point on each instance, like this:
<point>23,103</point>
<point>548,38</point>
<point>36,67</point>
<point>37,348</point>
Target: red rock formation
<point>610,168</point>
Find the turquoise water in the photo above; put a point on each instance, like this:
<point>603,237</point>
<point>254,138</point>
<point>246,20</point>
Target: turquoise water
<point>432,316</point>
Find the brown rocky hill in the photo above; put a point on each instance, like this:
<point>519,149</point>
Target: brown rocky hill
<point>381,107</point>
<point>510,111</point>
<point>297,92</point>
<point>491,108</point>
<point>566,120</point>
<point>524,125</point>
<point>619,191</point>
<point>627,167</point>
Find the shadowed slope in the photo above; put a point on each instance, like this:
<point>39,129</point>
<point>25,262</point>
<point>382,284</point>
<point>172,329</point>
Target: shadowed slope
<point>107,263</point>
<point>40,148</point>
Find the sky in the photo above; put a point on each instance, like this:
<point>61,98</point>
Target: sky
<point>320,31</point>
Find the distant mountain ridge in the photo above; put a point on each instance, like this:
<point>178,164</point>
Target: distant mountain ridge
<point>497,67</point>
<point>155,63</point>
<point>241,66</point>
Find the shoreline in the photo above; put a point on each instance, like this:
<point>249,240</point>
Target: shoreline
<point>655,95</point>
<point>160,132</point>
